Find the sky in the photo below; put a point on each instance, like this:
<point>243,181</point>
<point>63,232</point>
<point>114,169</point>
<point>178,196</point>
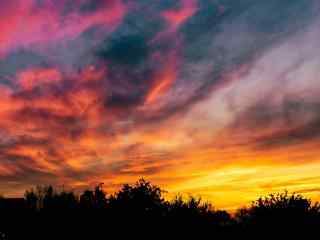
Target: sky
<point>214,98</point>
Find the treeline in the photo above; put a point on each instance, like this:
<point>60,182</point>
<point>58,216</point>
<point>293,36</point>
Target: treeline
<point>141,210</point>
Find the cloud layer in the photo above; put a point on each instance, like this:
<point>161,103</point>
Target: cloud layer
<point>180,92</point>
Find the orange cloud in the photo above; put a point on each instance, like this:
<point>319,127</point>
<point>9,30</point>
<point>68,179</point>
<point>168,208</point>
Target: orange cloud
<point>176,17</point>
<point>189,110</point>
<point>35,77</point>
<point>163,80</point>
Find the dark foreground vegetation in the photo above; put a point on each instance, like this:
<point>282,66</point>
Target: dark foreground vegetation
<point>140,211</point>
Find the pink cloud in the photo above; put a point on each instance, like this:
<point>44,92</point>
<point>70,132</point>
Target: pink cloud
<point>27,25</point>
<point>176,17</point>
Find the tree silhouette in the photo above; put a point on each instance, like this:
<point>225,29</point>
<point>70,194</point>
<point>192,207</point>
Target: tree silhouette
<point>282,211</point>
<point>47,199</point>
<point>140,208</point>
<point>31,199</point>
<point>93,199</point>
<point>140,199</point>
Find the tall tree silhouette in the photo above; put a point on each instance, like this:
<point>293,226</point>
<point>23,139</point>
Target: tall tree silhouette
<point>140,199</point>
<point>95,199</point>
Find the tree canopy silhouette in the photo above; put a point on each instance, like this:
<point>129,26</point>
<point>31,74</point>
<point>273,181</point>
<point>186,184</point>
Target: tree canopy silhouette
<point>141,207</point>
<point>280,211</point>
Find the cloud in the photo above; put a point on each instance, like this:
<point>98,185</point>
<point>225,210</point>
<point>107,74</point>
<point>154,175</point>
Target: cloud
<point>119,89</point>
<point>177,17</point>
<point>48,22</point>
<point>294,121</point>
<point>19,60</point>
<point>130,50</point>
<point>281,107</point>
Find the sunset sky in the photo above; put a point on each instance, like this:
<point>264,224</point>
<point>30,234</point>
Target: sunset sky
<point>216,98</point>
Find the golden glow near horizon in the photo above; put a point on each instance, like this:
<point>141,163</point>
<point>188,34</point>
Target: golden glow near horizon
<point>212,99</point>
